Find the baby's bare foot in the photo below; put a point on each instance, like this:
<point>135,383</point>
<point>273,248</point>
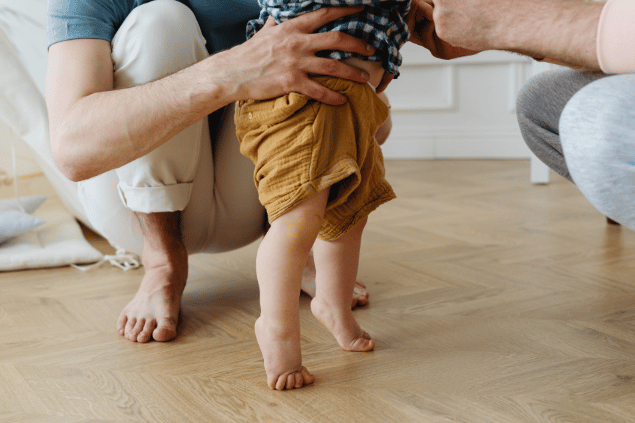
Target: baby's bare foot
<point>153,312</point>
<point>343,326</point>
<point>283,358</point>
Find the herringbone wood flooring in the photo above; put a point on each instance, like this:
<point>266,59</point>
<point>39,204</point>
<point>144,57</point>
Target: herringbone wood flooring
<point>492,300</point>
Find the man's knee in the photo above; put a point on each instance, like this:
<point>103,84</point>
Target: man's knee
<point>162,34</point>
<point>168,19</point>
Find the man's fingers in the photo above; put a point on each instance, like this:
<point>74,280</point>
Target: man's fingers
<point>336,40</point>
<point>310,22</point>
<point>322,94</point>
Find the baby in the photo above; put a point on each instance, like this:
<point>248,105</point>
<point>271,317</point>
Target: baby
<point>319,173</point>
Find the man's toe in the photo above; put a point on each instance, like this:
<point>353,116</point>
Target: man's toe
<point>165,330</point>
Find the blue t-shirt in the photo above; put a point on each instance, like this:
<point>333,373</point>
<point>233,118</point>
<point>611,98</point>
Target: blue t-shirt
<point>222,22</point>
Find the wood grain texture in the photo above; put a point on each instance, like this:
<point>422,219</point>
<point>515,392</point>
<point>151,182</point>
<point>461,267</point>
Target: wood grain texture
<point>492,300</point>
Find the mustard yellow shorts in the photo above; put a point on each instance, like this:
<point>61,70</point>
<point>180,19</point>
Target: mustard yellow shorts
<point>301,147</point>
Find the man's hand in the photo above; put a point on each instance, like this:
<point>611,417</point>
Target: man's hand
<point>279,58</point>
<point>423,32</point>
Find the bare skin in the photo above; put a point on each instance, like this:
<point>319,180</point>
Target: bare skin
<point>280,262</point>
<point>561,32</point>
<point>338,262</point>
<point>158,300</point>
<point>154,310</point>
<point>94,128</point>
<point>360,293</point>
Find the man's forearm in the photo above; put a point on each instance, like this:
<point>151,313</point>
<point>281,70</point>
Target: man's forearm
<point>106,130</point>
<point>560,31</point>
<point>563,31</point>
<point>95,129</point>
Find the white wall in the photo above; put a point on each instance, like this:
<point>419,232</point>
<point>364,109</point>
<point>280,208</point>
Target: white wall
<point>464,108</point>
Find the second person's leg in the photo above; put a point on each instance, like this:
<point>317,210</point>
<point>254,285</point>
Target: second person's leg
<point>539,107</point>
<point>598,140</point>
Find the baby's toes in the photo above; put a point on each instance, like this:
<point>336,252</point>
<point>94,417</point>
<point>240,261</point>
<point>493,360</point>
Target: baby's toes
<point>281,382</point>
<point>363,343</point>
<point>292,380</point>
<point>307,377</point>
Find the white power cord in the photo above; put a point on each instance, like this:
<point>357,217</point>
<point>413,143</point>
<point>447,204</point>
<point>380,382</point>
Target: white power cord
<point>122,259</point>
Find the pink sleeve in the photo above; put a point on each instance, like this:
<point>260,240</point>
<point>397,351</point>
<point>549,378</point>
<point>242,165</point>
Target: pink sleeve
<point>616,37</point>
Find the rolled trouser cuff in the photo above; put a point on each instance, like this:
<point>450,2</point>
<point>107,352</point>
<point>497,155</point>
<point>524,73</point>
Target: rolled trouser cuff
<point>166,198</point>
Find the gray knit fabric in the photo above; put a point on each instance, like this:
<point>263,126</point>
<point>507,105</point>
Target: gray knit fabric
<point>582,125</point>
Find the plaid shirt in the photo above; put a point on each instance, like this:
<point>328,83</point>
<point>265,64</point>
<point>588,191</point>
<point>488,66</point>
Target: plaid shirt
<point>381,24</point>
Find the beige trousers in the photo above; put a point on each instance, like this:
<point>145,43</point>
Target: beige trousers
<point>206,178</point>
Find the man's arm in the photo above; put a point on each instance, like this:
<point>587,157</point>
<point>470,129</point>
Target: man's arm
<point>560,31</point>
<point>94,128</point>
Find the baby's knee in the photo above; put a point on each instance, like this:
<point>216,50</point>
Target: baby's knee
<point>299,226</point>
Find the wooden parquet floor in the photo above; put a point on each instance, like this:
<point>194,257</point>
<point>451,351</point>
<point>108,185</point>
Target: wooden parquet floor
<point>492,300</point>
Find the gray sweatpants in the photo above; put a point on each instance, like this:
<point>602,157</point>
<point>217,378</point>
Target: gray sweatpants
<point>582,125</point>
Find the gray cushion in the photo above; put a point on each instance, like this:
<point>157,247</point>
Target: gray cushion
<point>13,221</point>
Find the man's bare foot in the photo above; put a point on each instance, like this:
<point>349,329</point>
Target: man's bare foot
<point>153,313</point>
<point>283,358</point>
<point>360,293</point>
<point>343,326</point>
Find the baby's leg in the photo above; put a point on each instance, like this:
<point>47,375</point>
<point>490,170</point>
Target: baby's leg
<point>279,265</point>
<point>336,263</point>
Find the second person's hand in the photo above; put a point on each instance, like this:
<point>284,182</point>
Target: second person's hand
<point>423,32</point>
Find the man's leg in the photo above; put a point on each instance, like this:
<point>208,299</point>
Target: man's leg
<point>598,141</point>
<point>153,312</point>
<point>156,40</point>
